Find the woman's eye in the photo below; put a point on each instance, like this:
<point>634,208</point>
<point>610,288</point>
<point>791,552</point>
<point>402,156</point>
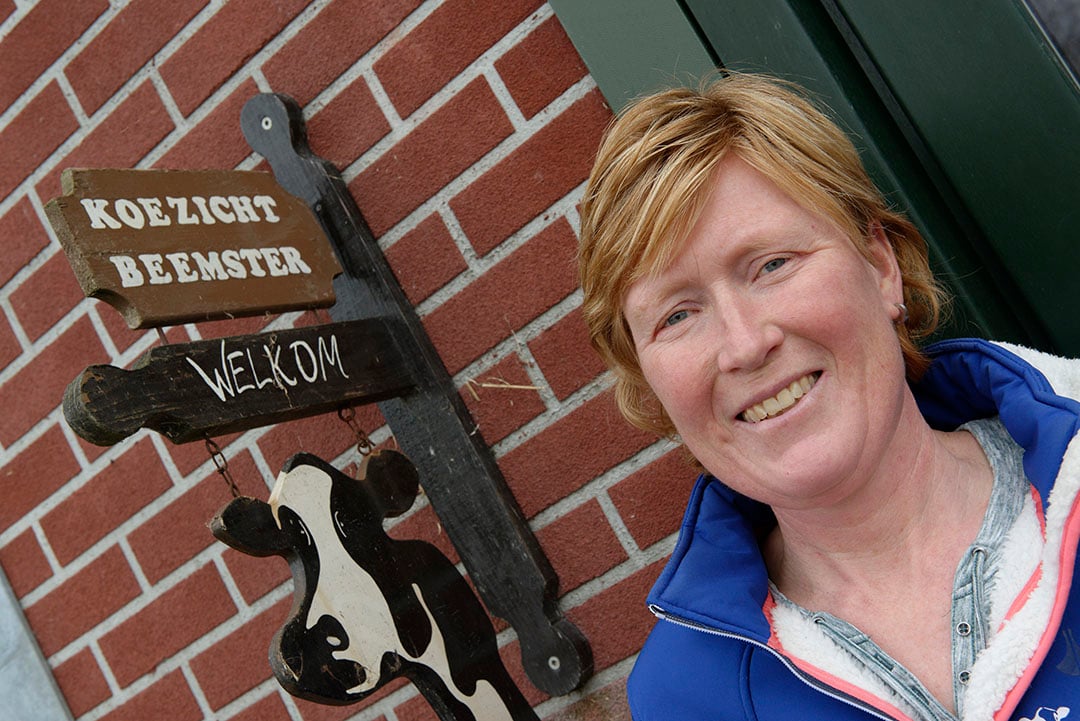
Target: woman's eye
<point>676,317</point>
<point>772,265</point>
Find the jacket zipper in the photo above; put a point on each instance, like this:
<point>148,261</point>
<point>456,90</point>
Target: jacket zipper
<point>806,678</point>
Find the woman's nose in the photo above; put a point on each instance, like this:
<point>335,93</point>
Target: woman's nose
<point>746,339</point>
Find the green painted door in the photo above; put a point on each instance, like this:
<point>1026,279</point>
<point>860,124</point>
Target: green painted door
<point>965,113</point>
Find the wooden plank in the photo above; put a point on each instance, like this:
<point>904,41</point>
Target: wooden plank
<point>432,424</point>
<point>188,391</point>
<point>165,247</point>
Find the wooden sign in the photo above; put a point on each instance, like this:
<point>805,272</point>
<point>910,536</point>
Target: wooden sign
<point>187,391</point>
<point>368,608</point>
<point>165,247</point>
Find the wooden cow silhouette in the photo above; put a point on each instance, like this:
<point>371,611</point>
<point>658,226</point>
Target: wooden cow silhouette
<point>368,608</point>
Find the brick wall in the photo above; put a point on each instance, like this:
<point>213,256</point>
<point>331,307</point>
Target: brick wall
<point>465,130</point>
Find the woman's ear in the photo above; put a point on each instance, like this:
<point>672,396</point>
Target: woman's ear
<point>883,259</point>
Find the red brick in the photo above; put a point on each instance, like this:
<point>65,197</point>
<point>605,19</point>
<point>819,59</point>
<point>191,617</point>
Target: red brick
<point>33,134</point>
<point>23,237</point>
<point>332,41</point>
<point>6,8</point>
<point>348,125</point>
<point>557,462</point>
<point>415,709</point>
<point>217,141</point>
<point>228,40</point>
<point>424,525</point>
<point>9,344</point>
<point>565,356</point>
<point>83,601</point>
<point>327,436</point>
<point>38,39</point>
<point>108,499</point>
<point>425,259</point>
<point>541,67</point>
<point>616,621</point>
<point>238,662</point>
<point>581,545</point>
<point>519,288</point>
<point>169,699</point>
<point>117,329</point>
<point>169,623</point>
<point>46,296</point>
<point>545,168</point>
<point>35,474</point>
<point>502,399</point>
<point>189,456</point>
<point>37,389</point>
<point>130,39</point>
<point>255,577</point>
<point>605,704</point>
<point>443,45</point>
<point>120,140</point>
<point>24,563</point>
<point>651,501</point>
<point>270,708</point>
<point>81,681</point>
<point>179,531</point>
<point>435,152</point>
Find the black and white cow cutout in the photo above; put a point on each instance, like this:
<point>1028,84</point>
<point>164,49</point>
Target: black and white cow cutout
<point>368,608</point>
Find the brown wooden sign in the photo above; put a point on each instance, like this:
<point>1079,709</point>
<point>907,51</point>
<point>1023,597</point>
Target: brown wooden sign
<point>165,247</point>
<point>191,390</point>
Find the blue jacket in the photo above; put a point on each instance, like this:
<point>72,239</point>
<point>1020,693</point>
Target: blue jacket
<point>714,654</point>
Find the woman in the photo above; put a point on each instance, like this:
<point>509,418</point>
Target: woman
<point>879,531</point>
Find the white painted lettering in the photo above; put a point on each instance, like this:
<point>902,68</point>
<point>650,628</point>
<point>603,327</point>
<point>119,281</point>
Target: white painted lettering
<point>154,270</point>
<point>233,265</point>
<point>245,211</point>
<point>295,347</point>
<point>130,213</point>
<point>95,211</point>
<point>252,255</point>
<point>273,261</point>
<point>152,207</point>
<point>219,385</point>
<point>130,276</point>
<point>180,264</point>
<point>219,206</point>
<point>293,260</point>
<point>209,266</point>
<point>266,204</point>
<point>237,371</point>
<point>275,366</point>
<point>259,382</point>
<point>331,355</point>
<point>180,205</point>
<point>204,212</point>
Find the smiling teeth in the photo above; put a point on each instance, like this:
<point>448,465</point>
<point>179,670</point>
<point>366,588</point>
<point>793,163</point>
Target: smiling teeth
<point>783,400</point>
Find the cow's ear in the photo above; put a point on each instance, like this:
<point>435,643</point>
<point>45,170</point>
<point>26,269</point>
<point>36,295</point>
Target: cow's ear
<point>247,524</point>
<point>393,479</point>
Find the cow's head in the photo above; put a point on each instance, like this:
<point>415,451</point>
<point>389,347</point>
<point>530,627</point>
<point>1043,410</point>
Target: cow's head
<point>340,641</point>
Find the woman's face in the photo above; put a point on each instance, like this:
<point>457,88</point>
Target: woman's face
<point>769,341</point>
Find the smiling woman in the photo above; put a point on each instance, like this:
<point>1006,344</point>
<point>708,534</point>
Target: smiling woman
<point>857,546</point>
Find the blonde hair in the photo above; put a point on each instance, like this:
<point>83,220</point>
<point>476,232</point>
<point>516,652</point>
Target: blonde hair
<point>650,180</point>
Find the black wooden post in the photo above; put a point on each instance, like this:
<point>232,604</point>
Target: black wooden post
<point>431,423</point>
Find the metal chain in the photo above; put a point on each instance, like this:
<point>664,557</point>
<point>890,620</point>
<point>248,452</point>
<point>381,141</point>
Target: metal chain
<point>364,446</point>
<point>222,465</point>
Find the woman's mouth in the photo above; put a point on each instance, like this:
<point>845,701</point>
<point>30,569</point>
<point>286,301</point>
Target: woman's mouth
<point>782,401</point>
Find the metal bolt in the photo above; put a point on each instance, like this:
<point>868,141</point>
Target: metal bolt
<point>554,663</point>
<point>267,123</point>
